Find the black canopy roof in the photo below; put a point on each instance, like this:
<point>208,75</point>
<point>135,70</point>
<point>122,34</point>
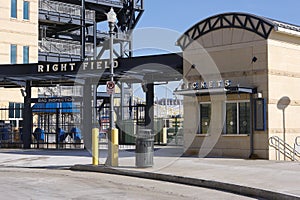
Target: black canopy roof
<point>155,68</point>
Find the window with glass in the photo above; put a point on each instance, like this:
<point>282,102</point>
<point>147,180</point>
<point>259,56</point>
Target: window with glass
<point>205,113</point>
<point>26,10</point>
<point>237,118</point>
<point>13,9</point>
<point>26,54</point>
<point>13,54</point>
<point>15,110</point>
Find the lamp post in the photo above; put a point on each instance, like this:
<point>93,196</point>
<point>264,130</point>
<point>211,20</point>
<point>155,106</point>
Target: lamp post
<point>113,136</point>
<point>111,18</point>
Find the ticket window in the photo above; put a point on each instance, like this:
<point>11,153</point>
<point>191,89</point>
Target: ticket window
<point>237,114</point>
<point>238,117</point>
<point>205,114</point>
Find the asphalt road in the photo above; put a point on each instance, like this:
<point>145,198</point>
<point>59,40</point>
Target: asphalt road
<point>34,183</point>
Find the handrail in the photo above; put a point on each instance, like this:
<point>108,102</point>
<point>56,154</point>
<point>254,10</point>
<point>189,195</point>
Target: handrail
<point>138,4</point>
<point>296,141</point>
<point>59,7</point>
<point>282,147</point>
<point>274,142</point>
<point>62,46</point>
<point>297,146</point>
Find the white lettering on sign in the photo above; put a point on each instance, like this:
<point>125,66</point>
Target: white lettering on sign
<point>101,64</point>
<point>55,67</point>
<point>84,65</point>
<point>69,67</point>
<point>63,67</point>
<point>211,84</point>
<point>55,100</point>
<point>227,83</point>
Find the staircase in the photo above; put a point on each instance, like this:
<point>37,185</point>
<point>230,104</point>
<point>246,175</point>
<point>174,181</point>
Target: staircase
<point>284,149</point>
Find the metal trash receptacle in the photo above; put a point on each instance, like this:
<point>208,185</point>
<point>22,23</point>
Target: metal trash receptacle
<point>144,148</point>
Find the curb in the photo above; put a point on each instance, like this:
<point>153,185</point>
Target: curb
<point>227,187</point>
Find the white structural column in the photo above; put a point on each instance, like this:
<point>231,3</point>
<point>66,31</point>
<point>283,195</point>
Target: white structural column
<point>112,159</point>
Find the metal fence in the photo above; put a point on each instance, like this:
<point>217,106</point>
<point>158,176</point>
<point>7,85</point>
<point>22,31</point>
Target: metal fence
<point>11,123</point>
<point>52,128</point>
<point>57,125</point>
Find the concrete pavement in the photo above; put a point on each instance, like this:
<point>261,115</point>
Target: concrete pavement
<point>259,178</point>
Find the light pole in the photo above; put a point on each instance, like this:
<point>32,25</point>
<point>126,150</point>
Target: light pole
<point>113,136</point>
<point>282,105</point>
<point>111,18</point>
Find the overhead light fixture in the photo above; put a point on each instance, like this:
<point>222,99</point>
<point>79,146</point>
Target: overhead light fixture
<point>23,92</point>
<point>193,66</point>
<point>254,59</point>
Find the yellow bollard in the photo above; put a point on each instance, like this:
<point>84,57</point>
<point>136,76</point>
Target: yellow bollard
<point>95,146</point>
<point>115,147</point>
<point>165,135</point>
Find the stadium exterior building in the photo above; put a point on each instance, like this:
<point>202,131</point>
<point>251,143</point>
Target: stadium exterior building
<point>242,71</point>
<point>239,70</point>
<point>18,44</point>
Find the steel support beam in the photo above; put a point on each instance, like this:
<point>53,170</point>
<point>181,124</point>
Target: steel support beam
<point>87,114</point>
<point>149,111</point>
<point>83,29</point>
<point>27,117</point>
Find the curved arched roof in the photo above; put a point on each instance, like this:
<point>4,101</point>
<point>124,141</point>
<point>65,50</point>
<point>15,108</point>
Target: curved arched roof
<point>260,25</point>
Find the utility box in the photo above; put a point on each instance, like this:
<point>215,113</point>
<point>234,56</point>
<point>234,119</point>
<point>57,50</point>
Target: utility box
<point>144,148</point>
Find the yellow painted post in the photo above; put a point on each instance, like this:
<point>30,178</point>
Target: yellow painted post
<point>95,146</point>
<point>164,135</point>
<point>115,147</point>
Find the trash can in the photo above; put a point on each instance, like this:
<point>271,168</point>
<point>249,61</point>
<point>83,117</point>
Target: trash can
<point>144,148</point>
<point>39,134</point>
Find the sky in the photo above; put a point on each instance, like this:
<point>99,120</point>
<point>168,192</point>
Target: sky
<point>164,21</point>
<point>179,15</point>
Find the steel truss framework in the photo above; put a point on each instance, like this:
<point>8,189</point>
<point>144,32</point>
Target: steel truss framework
<point>69,32</point>
<point>259,25</point>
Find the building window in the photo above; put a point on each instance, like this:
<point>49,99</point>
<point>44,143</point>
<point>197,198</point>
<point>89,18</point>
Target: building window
<point>13,54</point>
<point>237,118</point>
<point>13,9</point>
<point>26,54</point>
<point>205,113</point>
<point>15,110</point>
<point>26,10</point>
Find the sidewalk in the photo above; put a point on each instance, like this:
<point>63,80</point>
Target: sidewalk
<point>259,178</point>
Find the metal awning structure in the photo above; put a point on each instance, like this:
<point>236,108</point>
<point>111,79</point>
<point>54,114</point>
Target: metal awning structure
<point>64,107</point>
<point>156,68</point>
<point>261,26</point>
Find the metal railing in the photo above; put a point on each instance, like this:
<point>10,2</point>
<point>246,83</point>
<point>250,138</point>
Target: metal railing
<point>111,1</point>
<point>297,147</point>
<point>64,8</point>
<point>282,147</point>
<point>63,47</point>
<point>137,3</point>
<point>90,15</point>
